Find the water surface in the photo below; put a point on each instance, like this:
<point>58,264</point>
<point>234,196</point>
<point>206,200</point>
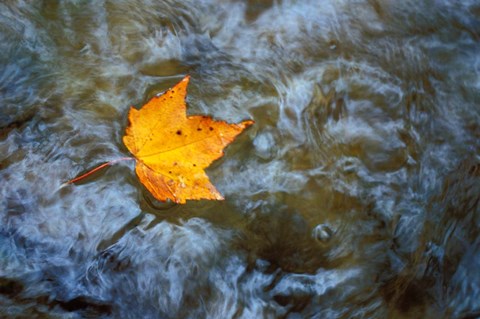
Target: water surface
<point>355,194</point>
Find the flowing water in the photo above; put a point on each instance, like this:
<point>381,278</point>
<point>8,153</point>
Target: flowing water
<point>354,195</point>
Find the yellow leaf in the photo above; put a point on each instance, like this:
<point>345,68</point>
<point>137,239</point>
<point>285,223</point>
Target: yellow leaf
<point>173,149</point>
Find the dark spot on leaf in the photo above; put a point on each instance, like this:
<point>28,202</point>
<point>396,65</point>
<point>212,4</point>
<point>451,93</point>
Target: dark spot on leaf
<point>210,128</point>
<point>169,172</point>
<point>199,129</point>
<point>179,132</point>
<point>194,165</point>
<point>174,163</point>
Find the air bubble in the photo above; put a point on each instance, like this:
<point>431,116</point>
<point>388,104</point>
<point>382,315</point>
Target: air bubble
<point>322,233</point>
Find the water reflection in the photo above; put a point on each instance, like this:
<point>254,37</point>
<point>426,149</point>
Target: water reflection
<point>354,195</point>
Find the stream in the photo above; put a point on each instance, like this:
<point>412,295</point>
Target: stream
<point>354,195</point>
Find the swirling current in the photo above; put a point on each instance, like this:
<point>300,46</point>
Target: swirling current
<point>355,194</point>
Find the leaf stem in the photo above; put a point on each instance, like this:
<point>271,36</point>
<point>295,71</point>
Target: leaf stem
<point>79,178</point>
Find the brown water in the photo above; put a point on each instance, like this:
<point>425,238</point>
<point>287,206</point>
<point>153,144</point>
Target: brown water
<point>355,194</point>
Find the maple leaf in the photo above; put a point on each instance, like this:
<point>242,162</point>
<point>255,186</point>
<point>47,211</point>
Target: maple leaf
<point>172,149</point>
